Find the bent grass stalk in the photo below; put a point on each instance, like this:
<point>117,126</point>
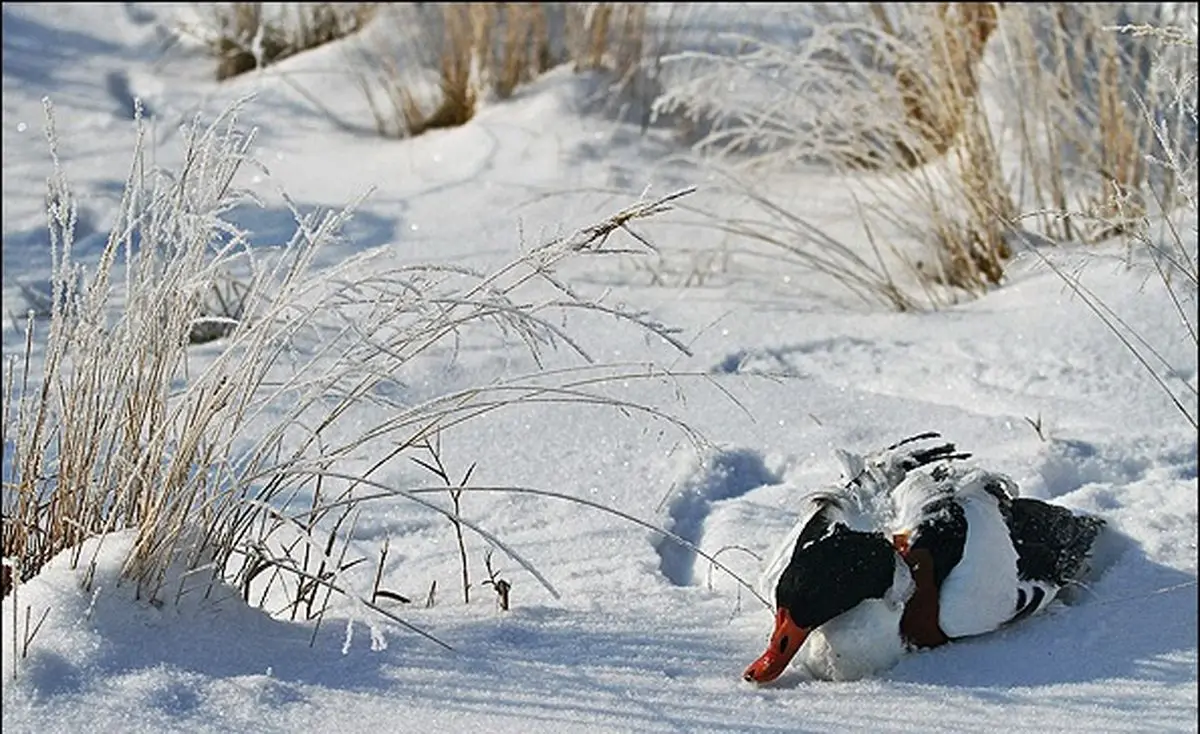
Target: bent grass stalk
<point>414,495</point>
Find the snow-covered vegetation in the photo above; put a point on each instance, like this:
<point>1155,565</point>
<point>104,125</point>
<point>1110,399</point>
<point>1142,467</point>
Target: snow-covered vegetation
<point>412,367</point>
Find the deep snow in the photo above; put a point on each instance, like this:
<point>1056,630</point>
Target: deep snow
<point>644,637</point>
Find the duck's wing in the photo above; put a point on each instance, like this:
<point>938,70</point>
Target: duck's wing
<point>930,517</point>
<point>956,523</point>
<point>981,590</point>
<point>1053,543</point>
<point>1054,546</point>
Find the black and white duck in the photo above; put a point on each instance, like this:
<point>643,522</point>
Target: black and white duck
<point>912,551</point>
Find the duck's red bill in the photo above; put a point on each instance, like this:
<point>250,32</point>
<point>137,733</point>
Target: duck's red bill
<point>785,642</point>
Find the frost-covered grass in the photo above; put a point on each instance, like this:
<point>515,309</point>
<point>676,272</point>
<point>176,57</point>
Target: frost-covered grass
<point>1157,214</point>
<point>907,105</point>
<point>104,431</point>
<point>119,430</point>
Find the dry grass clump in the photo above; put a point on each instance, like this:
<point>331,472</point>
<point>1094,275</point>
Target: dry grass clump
<point>470,45</point>
<point>1082,138</point>
<point>953,118</point>
<point>1079,124</point>
<point>525,49</point>
<point>607,36</point>
<point>1165,242</point>
<point>246,466</point>
<point>463,58</point>
<point>245,36</point>
<point>96,433</point>
<point>487,49</point>
<point>936,78</point>
<point>964,202</point>
<point>887,98</point>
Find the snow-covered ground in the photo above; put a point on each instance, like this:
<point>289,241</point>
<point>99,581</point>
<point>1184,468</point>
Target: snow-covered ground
<point>642,637</point>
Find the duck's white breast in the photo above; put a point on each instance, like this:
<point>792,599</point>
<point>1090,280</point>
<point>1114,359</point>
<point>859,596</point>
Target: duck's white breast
<point>854,645</point>
<point>863,641</point>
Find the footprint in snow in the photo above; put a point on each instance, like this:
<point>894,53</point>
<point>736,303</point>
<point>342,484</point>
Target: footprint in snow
<point>720,476</point>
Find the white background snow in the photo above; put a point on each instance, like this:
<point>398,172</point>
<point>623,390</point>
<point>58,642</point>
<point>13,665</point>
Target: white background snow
<point>643,637</point>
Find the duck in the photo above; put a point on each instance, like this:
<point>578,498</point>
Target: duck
<point>912,550</point>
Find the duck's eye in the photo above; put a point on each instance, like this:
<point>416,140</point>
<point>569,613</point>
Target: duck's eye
<point>783,643</point>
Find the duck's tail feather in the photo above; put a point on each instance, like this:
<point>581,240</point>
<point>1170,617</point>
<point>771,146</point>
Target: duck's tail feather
<point>913,439</point>
<point>926,456</point>
<point>889,467</point>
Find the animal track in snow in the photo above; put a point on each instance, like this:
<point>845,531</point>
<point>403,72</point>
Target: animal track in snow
<point>790,360</point>
<point>720,476</point>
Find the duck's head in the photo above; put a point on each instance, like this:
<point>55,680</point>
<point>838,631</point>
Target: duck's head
<point>825,578</point>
